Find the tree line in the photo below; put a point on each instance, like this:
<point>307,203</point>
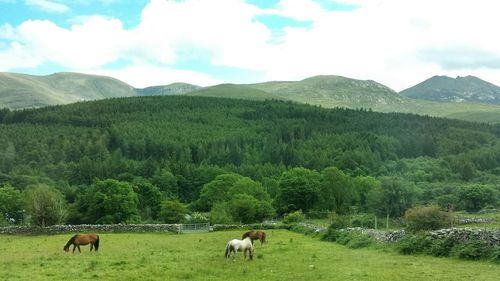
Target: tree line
<point>165,159</point>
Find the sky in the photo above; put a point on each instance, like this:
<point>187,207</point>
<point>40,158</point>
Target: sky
<point>398,43</point>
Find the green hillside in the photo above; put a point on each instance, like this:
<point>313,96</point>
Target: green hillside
<point>26,91</point>
<point>333,91</point>
<point>19,91</point>
<point>460,89</point>
<point>150,155</point>
<point>171,89</point>
<point>337,91</point>
<point>234,91</point>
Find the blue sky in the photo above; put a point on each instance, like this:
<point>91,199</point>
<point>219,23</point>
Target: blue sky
<point>396,42</point>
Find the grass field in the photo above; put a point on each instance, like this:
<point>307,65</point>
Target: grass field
<point>156,256</point>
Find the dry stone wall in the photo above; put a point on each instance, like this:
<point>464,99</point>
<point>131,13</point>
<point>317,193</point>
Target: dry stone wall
<point>54,229</point>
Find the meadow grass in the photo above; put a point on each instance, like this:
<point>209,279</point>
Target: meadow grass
<point>160,256</point>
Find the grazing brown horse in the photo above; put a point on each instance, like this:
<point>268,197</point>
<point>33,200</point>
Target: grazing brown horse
<point>254,235</point>
<point>83,239</point>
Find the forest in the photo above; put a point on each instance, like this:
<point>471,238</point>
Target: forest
<point>176,158</point>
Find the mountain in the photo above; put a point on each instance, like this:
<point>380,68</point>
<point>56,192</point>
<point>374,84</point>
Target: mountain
<point>19,91</point>
<point>167,90</point>
<point>234,91</point>
<point>460,89</point>
<point>334,91</point>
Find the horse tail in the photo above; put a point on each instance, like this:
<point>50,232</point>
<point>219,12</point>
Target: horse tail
<point>96,244</point>
<point>263,237</point>
<point>228,252</point>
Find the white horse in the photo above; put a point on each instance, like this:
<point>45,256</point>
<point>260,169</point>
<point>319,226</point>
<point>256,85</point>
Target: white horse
<point>237,245</point>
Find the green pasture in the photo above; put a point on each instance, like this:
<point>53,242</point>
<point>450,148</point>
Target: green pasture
<point>157,256</point>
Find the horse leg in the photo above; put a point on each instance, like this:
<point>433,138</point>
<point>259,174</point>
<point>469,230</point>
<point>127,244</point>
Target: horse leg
<point>91,246</point>
<point>79,249</point>
<point>74,247</point>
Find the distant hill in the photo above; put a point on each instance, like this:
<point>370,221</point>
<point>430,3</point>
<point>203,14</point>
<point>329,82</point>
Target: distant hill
<point>168,90</point>
<point>332,91</point>
<point>26,91</point>
<point>234,91</point>
<point>460,89</point>
<point>18,91</point>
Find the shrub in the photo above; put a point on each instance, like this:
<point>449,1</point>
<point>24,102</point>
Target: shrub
<point>426,218</point>
<point>352,239</point>
<point>338,221</point>
<point>473,250</point>
<point>413,244</point>
<point>198,217</point>
<point>363,220</point>
<point>294,217</point>
<point>495,255</point>
<point>359,240</point>
<point>442,247</point>
<point>302,229</point>
<point>331,234</point>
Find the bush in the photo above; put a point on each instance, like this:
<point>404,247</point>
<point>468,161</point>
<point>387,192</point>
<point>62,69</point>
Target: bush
<point>338,221</point>
<point>302,229</point>
<point>413,244</point>
<point>198,217</point>
<point>294,217</point>
<point>473,250</point>
<point>363,220</point>
<point>352,239</point>
<point>442,247</point>
<point>426,218</point>
<point>331,234</point>
<point>495,255</point>
<point>359,240</point>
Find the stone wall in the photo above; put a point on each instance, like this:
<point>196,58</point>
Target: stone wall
<point>490,236</point>
<point>54,229</point>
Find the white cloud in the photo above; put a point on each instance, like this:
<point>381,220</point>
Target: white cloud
<point>91,44</point>
<point>396,42</point>
<point>48,6</point>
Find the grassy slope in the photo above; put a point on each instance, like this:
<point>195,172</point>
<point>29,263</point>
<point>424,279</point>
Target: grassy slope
<point>171,89</point>
<point>21,91</point>
<point>331,91</point>
<point>287,256</point>
<point>234,91</point>
<point>336,91</point>
<point>24,91</point>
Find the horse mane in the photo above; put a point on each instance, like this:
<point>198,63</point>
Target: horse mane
<point>71,241</point>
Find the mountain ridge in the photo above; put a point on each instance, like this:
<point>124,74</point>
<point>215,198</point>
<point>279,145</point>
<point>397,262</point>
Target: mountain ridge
<point>18,91</point>
<point>462,88</point>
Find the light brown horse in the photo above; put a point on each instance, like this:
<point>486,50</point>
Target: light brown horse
<point>254,235</point>
<point>83,239</point>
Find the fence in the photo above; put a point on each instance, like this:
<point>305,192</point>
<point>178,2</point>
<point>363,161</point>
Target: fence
<point>194,227</point>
